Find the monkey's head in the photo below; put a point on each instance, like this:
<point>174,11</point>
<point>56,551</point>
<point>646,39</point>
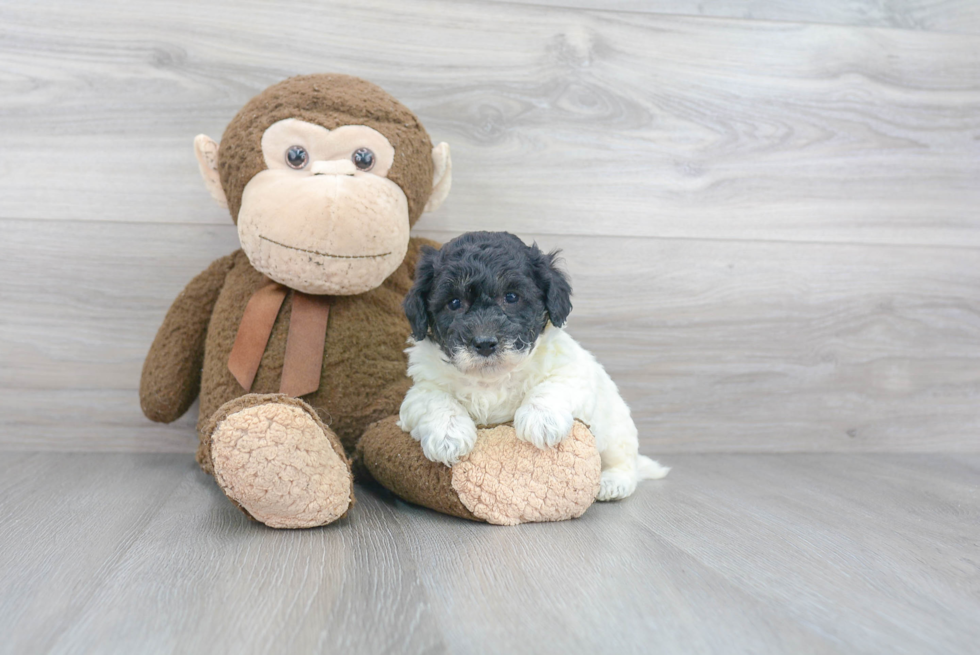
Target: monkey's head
<point>325,176</point>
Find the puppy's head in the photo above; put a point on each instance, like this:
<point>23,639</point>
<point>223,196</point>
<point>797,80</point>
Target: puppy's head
<point>485,297</point>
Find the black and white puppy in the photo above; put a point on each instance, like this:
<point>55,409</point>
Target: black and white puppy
<point>486,313</point>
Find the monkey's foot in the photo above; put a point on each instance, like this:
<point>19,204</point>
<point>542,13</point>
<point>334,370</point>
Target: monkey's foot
<point>274,458</point>
<point>504,480</point>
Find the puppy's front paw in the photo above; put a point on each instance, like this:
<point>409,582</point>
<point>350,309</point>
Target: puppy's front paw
<point>542,426</point>
<point>446,441</point>
<point>615,485</point>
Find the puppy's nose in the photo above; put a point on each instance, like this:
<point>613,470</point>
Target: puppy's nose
<point>485,345</point>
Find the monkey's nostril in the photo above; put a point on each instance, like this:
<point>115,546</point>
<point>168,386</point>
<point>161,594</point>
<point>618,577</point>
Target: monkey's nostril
<point>485,345</point>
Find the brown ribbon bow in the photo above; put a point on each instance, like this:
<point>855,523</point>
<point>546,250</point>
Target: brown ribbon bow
<point>304,342</point>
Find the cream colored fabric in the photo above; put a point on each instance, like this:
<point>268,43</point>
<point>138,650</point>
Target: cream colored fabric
<point>206,150</point>
<point>506,481</point>
<point>275,461</point>
<point>326,228</point>
<point>442,176</point>
<point>324,234</point>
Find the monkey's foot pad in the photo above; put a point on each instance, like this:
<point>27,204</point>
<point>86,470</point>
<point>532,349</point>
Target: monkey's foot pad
<point>504,481</point>
<point>277,462</point>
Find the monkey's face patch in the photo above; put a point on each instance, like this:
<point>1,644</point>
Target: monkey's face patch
<point>323,218</point>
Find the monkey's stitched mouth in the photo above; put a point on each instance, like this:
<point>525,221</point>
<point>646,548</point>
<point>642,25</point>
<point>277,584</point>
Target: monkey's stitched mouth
<point>324,254</point>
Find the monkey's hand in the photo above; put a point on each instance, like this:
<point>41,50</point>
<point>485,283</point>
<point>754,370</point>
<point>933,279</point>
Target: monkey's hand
<point>171,376</point>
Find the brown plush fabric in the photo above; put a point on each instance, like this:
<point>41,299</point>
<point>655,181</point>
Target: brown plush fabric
<point>504,481</point>
<point>329,100</point>
<point>171,377</point>
<point>363,377</point>
<point>396,461</point>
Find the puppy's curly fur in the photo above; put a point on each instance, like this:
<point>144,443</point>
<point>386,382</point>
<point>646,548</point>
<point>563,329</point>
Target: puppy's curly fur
<point>486,313</point>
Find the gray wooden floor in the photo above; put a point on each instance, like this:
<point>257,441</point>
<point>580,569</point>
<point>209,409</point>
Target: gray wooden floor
<point>139,553</point>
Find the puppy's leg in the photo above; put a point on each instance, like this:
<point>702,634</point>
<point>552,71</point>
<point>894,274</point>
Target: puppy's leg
<point>439,423</point>
<point>544,418</point>
<point>623,467</point>
<point>619,474</point>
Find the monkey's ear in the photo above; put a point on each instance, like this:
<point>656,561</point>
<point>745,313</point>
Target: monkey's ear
<point>417,300</point>
<point>206,149</point>
<point>442,176</point>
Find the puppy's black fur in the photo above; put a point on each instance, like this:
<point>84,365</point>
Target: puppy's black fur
<point>485,272</point>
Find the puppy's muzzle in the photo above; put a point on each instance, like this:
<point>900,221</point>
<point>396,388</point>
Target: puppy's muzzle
<point>485,346</point>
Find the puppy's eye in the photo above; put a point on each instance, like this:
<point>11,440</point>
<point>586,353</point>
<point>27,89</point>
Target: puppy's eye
<point>297,157</point>
<point>454,304</point>
<point>363,158</point>
<point>511,298</point>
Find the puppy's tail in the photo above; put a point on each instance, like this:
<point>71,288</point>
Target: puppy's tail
<point>648,469</point>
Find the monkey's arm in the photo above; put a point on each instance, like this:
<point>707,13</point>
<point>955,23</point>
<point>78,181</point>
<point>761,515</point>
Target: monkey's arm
<point>171,376</point>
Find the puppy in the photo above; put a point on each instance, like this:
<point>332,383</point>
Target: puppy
<point>486,313</point>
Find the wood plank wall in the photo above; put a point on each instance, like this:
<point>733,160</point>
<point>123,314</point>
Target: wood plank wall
<point>769,209</point>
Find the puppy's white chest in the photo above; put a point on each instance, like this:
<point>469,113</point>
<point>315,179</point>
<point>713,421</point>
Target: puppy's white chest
<point>490,402</point>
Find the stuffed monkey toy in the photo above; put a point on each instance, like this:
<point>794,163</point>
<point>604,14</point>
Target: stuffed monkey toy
<point>294,343</point>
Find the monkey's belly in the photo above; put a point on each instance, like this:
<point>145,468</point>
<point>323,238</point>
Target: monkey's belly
<point>363,376</point>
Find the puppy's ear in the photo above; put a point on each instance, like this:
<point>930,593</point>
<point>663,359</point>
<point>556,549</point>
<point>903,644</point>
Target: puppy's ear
<point>554,283</point>
<point>417,299</point>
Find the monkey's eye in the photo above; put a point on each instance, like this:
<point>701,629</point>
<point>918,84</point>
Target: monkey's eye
<point>297,157</point>
<point>363,159</point>
<point>454,304</point>
<point>511,298</point>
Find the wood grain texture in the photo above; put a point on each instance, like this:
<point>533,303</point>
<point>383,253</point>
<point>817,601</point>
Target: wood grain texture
<point>121,568</point>
<point>562,121</point>
<point>716,345</point>
<point>771,227</point>
<point>962,16</point>
<point>731,553</point>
